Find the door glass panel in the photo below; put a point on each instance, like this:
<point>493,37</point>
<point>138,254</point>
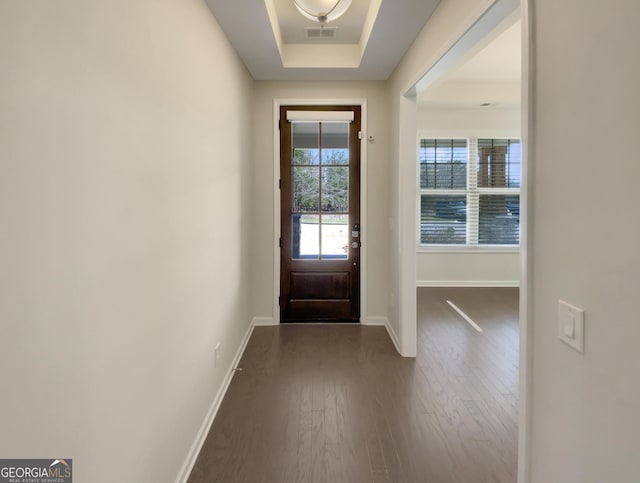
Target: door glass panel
<point>335,236</point>
<point>306,143</point>
<point>335,190</point>
<point>306,189</point>
<point>305,240</point>
<point>320,190</point>
<point>335,143</point>
<point>302,157</point>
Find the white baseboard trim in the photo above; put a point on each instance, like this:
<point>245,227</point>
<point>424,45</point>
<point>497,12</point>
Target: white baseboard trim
<point>192,456</point>
<point>468,283</point>
<point>384,322</point>
<point>263,321</point>
<point>376,321</point>
<point>393,336</point>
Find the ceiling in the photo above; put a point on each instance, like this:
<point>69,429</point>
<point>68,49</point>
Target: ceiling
<point>489,74</point>
<point>371,38</point>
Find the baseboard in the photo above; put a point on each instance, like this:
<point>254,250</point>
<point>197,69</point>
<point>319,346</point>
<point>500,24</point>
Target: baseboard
<point>384,322</point>
<point>468,283</point>
<point>392,335</point>
<point>262,321</point>
<point>376,321</point>
<point>192,456</point>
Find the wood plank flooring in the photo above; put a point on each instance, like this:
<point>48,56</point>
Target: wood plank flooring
<point>336,403</point>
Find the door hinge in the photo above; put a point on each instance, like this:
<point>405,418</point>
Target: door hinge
<point>280,183</point>
<point>280,242</point>
<point>360,135</point>
<point>279,299</point>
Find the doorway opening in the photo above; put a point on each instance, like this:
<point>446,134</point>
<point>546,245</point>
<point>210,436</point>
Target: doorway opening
<point>446,273</point>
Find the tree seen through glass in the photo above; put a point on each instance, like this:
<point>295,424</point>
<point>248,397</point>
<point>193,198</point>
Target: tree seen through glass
<point>308,177</point>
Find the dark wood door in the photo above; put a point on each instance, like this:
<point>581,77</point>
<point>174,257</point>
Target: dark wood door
<point>320,218</point>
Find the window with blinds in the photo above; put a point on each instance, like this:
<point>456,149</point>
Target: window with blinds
<point>443,163</point>
<point>469,192</point>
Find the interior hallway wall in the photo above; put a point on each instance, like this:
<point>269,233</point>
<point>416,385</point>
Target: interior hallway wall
<point>125,201</point>
<point>585,231</point>
<point>377,261</point>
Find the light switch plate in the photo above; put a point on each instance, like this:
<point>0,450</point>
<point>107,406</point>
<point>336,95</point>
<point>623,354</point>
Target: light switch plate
<point>571,325</point>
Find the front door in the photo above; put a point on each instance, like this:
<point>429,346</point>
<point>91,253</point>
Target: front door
<point>320,218</point>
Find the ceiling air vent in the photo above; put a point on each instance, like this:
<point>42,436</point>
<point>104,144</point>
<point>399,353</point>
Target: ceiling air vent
<point>321,33</point>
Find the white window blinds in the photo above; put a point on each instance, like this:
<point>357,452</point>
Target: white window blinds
<point>469,191</point>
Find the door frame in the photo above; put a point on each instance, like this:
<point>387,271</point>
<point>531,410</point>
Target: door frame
<point>277,103</point>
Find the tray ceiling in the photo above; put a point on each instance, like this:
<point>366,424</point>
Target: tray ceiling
<point>370,38</point>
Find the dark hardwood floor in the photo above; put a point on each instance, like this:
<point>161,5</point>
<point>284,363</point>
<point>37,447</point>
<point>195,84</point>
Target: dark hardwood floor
<point>336,403</point>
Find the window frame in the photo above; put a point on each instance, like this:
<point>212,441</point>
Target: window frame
<point>472,192</point>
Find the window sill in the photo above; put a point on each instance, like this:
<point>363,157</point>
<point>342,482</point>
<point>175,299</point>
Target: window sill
<point>467,249</point>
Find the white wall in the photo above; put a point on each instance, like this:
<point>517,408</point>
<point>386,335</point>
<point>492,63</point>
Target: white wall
<point>124,205</point>
<point>468,267</point>
<point>585,232</point>
<point>377,241</point>
<point>475,122</point>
